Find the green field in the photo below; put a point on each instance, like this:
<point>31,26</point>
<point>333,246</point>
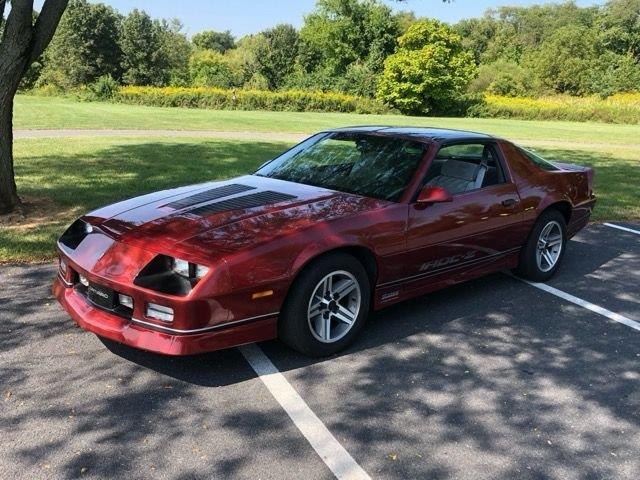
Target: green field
<point>34,112</point>
<point>63,177</point>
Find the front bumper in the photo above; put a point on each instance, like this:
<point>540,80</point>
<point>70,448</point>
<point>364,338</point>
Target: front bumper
<point>136,334</point>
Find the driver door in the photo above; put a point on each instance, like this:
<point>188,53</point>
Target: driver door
<point>483,223</point>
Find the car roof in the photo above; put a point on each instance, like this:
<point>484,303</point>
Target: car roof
<point>422,133</point>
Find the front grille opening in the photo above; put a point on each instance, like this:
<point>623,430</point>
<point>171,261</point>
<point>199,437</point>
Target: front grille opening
<point>118,308</point>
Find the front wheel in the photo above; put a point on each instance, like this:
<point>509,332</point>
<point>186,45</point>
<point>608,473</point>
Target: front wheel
<point>540,258</point>
<point>327,306</point>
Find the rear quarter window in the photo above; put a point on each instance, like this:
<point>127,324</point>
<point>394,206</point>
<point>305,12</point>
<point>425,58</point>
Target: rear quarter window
<point>538,160</point>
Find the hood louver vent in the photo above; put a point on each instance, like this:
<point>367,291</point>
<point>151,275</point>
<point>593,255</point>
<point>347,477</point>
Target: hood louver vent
<point>208,195</point>
<point>247,201</point>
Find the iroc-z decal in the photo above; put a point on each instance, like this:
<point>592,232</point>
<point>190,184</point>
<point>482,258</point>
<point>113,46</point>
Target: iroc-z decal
<point>452,260</point>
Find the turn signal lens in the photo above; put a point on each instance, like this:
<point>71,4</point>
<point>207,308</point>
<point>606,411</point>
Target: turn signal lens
<point>159,312</point>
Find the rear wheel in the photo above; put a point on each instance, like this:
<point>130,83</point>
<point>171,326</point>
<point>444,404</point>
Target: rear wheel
<point>543,252</point>
<point>327,306</point>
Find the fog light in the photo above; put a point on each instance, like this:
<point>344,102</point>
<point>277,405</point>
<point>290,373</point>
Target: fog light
<point>125,301</point>
<point>159,312</point>
<point>84,281</point>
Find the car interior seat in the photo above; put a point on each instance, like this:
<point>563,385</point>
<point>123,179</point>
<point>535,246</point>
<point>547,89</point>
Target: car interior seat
<point>457,176</point>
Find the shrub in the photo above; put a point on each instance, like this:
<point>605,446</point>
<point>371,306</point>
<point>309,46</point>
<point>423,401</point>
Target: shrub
<point>231,99</point>
<point>619,108</point>
<point>209,68</point>
<point>104,88</point>
<point>502,78</point>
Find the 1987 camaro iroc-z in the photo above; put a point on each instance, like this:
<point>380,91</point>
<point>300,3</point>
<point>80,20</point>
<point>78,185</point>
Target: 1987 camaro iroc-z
<point>347,221</point>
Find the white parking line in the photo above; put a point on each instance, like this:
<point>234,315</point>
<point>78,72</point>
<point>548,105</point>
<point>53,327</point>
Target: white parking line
<point>616,317</point>
<point>323,442</point>
<point>625,229</point>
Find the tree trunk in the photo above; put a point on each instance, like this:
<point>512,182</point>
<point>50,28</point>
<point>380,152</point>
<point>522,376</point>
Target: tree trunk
<point>9,200</point>
<point>21,43</point>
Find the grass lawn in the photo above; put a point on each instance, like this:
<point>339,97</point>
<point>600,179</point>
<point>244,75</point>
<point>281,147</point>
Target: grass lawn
<point>33,112</point>
<point>63,178</point>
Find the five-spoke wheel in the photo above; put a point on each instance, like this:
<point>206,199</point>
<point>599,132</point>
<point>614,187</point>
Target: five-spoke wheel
<point>334,306</point>
<point>327,305</point>
<point>549,246</point>
<point>541,255</point>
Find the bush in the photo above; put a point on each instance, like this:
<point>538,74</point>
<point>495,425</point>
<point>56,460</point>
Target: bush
<point>503,78</point>
<point>208,68</point>
<point>104,88</point>
<point>619,108</point>
<point>223,99</point>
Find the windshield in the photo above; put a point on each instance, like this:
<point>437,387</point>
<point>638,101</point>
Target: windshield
<point>367,165</point>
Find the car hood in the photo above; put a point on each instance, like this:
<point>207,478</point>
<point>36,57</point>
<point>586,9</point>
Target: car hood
<point>224,216</point>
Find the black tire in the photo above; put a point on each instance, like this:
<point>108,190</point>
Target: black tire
<point>529,267</point>
<point>294,326</point>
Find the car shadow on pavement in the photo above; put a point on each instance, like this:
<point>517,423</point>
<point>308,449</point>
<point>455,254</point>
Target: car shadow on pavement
<point>491,378</point>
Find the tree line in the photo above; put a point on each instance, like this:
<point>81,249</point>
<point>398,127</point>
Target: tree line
<point>360,47</point>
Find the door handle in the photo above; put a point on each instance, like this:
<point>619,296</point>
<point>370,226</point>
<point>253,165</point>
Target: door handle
<point>509,202</point>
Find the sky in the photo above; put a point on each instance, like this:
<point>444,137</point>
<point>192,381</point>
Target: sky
<point>242,17</point>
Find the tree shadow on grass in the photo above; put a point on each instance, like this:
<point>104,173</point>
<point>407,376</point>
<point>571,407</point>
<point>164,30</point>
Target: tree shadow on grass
<point>92,178</point>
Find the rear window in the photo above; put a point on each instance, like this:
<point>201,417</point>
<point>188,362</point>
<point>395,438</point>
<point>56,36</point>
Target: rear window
<point>538,160</point>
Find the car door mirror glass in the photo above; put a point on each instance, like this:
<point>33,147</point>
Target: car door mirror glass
<point>432,194</point>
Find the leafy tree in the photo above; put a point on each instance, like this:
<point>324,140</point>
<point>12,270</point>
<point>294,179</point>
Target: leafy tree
<point>564,61</point>
<point>276,54</point>
<point>614,73</point>
<point>429,70</point>
<point>477,34</point>
<point>141,41</point>
<point>23,41</point>
<point>341,32</point>
<point>176,50</point>
<point>85,45</point>
<point>246,59</point>
<point>508,32</point>
<point>620,26</point>
<point>209,68</point>
<point>211,40</point>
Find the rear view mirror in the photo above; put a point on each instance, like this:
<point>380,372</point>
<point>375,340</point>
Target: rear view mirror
<point>433,194</point>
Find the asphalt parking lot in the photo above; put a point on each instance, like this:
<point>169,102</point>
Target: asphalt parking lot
<point>491,379</point>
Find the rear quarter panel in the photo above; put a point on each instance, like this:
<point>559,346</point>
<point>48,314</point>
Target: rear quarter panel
<point>538,189</point>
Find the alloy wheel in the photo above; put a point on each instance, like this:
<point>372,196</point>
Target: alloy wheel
<point>549,246</point>
<point>334,306</point>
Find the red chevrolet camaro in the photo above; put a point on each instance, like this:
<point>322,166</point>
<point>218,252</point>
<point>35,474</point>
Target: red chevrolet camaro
<point>347,221</point>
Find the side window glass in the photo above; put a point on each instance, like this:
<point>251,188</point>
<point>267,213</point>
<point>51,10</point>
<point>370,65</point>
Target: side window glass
<point>465,167</point>
<point>538,160</point>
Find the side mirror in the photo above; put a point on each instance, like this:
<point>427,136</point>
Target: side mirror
<point>434,195</point>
